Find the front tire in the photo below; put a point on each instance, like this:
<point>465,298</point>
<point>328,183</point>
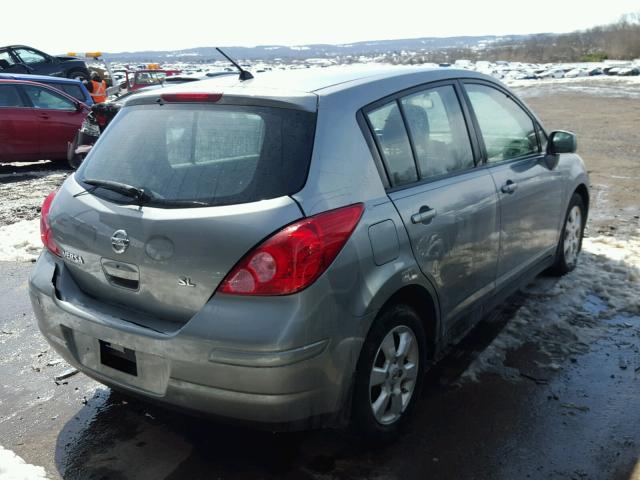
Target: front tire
<point>389,374</point>
<point>570,242</point>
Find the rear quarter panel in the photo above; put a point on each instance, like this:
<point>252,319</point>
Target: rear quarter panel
<point>343,172</point>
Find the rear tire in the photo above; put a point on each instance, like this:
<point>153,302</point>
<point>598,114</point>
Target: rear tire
<point>78,75</point>
<point>389,374</point>
<point>73,159</point>
<point>570,242</point>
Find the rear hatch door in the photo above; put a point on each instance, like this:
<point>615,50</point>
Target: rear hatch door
<point>217,180</point>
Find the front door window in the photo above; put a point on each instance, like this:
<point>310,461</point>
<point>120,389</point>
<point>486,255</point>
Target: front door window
<point>46,99</point>
<point>507,130</point>
<point>29,56</point>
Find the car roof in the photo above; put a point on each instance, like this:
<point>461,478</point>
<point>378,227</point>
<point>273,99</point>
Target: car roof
<point>314,80</point>
<point>39,78</point>
<point>24,82</point>
<point>19,46</point>
<point>303,87</point>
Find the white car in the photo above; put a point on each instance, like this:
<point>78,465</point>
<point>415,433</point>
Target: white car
<point>576,72</point>
<point>553,73</point>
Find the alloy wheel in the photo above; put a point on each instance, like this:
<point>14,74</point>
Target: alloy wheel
<point>572,235</point>
<point>394,374</point>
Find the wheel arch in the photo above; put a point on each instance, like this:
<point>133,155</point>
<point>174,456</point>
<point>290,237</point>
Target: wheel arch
<point>423,302</point>
<point>73,70</point>
<point>583,191</point>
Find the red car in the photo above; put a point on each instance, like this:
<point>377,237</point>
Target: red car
<point>36,121</point>
<point>144,78</point>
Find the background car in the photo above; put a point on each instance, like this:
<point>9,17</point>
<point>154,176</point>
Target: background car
<point>94,124</point>
<point>36,121</point>
<point>23,59</point>
<point>70,86</point>
<point>194,77</point>
<point>145,78</point>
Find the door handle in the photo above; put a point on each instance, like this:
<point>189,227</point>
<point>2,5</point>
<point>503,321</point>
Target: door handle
<point>425,215</point>
<point>43,115</point>
<point>509,187</point>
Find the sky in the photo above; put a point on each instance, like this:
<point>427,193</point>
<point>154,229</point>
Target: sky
<point>132,25</point>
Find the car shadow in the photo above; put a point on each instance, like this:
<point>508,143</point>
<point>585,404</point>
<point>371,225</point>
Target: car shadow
<point>20,171</point>
<point>115,436</point>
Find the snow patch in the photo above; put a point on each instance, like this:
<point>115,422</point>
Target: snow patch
<point>20,242</point>
<point>12,467</point>
<point>603,85</point>
<point>559,315</point>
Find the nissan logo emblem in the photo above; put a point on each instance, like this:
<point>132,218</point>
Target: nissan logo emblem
<point>119,241</point>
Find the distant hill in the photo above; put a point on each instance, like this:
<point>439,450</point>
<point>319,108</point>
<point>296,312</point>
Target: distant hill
<point>619,40</point>
<point>272,52</point>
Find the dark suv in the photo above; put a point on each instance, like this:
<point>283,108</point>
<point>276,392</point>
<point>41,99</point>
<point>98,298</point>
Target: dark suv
<point>22,59</point>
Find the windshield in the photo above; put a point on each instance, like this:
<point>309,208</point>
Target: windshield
<point>210,154</point>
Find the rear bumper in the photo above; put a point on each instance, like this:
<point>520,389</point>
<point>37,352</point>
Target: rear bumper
<point>189,367</point>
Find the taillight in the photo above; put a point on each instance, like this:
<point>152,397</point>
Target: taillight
<point>191,97</point>
<point>294,257</point>
<point>45,227</point>
<point>101,119</point>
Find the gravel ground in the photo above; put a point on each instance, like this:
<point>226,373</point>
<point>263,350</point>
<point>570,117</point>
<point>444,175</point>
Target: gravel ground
<point>608,130</point>
<point>23,187</point>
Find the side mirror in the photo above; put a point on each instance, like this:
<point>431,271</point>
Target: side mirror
<point>79,107</point>
<point>562,142</point>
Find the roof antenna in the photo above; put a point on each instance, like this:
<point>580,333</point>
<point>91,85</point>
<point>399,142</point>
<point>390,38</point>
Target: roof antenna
<point>244,74</point>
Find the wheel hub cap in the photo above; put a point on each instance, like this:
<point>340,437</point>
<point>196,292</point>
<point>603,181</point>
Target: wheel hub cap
<point>394,375</point>
<point>572,236</point>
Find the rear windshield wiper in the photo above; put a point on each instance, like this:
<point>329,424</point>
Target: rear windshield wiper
<point>122,188</point>
<point>179,203</point>
<point>143,196</point>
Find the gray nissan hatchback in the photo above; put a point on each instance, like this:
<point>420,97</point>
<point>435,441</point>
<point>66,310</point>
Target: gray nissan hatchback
<point>298,249</point>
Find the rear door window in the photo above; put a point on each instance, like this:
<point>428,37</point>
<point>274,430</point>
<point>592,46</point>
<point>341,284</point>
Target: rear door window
<point>438,131</point>
<point>392,137</point>
<point>46,99</point>
<point>217,155</point>
<point>10,97</point>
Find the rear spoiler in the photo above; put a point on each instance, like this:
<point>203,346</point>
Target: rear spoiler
<point>307,102</point>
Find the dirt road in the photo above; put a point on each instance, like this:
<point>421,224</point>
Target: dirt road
<point>608,130</point>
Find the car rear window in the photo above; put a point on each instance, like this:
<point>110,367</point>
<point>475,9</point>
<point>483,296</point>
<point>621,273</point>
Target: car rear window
<point>216,154</point>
